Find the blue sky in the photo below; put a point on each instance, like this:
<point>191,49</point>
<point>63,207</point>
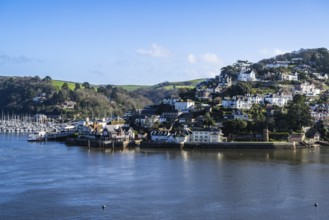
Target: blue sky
<point>148,42</point>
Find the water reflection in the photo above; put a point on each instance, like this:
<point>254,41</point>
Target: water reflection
<point>293,157</point>
<point>73,183</point>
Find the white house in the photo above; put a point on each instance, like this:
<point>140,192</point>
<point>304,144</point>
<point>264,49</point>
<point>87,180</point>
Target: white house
<point>242,102</point>
<point>228,102</point>
<point>247,75</point>
<point>206,135</point>
<point>320,76</point>
<point>277,64</point>
<point>280,99</point>
<point>289,77</point>
<point>308,89</point>
<point>184,106</point>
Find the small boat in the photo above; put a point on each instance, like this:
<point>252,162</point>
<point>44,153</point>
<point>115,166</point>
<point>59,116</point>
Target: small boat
<point>37,136</point>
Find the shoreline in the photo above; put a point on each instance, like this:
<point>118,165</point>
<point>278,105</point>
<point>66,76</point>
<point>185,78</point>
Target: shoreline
<point>187,145</point>
<point>226,145</point>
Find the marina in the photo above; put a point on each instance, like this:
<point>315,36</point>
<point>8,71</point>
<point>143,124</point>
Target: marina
<point>36,129</point>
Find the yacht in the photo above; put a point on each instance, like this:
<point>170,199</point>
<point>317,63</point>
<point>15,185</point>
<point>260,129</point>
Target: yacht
<point>37,136</point>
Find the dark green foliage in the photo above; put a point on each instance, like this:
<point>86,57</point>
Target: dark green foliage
<point>241,88</point>
<point>234,126</point>
<point>321,128</point>
<point>317,58</point>
<point>86,85</point>
<point>77,86</point>
<point>163,108</point>
<point>208,120</point>
<point>231,71</point>
<point>298,113</point>
<point>18,94</point>
<point>186,94</point>
<point>156,95</point>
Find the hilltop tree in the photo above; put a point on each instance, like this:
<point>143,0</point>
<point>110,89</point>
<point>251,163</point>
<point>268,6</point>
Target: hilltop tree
<point>47,79</point>
<point>65,86</point>
<point>86,85</point>
<point>77,86</point>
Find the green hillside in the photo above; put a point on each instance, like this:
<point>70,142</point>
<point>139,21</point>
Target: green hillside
<point>59,83</point>
<point>132,87</point>
<point>164,85</point>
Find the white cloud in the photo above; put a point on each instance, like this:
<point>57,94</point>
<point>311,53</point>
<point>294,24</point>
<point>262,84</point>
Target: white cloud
<point>272,52</point>
<point>191,58</point>
<point>278,52</point>
<point>210,58</point>
<point>155,51</point>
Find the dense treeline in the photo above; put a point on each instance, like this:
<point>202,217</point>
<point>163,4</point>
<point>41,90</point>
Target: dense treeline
<point>31,95</point>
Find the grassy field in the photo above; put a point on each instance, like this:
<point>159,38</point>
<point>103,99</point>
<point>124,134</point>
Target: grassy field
<point>184,84</point>
<point>59,83</point>
<point>132,87</point>
<point>177,87</point>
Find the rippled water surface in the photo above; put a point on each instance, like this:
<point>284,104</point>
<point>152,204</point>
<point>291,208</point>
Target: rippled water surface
<point>52,181</point>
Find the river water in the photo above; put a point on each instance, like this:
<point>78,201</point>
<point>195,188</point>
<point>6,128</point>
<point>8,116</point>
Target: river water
<point>52,181</point>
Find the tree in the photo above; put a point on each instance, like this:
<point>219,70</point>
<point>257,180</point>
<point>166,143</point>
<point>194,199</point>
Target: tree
<point>86,85</point>
<point>47,79</point>
<point>65,86</point>
<point>208,120</point>
<point>231,71</point>
<point>241,88</point>
<point>234,126</point>
<point>77,86</point>
<point>298,113</point>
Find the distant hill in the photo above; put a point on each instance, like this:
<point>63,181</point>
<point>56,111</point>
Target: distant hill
<point>31,95</point>
<point>164,85</point>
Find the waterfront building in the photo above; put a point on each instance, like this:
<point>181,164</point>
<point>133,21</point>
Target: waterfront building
<point>160,136</point>
<point>206,135</point>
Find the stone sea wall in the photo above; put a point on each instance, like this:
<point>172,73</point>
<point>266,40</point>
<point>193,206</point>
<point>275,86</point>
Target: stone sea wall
<point>222,145</point>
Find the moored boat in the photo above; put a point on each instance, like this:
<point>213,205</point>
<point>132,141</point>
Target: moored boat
<point>37,136</point>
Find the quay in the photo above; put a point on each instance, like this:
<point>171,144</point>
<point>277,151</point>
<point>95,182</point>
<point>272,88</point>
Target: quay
<point>223,145</point>
<point>98,143</point>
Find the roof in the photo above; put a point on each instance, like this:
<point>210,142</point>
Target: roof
<point>211,129</point>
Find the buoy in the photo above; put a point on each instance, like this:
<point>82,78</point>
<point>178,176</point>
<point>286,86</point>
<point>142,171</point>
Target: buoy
<point>316,204</point>
<point>104,206</point>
